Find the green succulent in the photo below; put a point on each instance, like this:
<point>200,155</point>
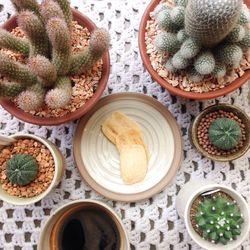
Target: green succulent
<point>21,169</point>
<point>224,133</point>
<point>218,219</point>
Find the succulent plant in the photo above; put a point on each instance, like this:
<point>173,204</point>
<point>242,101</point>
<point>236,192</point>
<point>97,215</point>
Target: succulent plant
<point>211,40</point>
<point>50,60</point>
<point>218,219</point>
<point>224,133</point>
<point>21,169</point>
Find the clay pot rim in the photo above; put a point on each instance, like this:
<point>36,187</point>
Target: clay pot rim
<point>58,174</point>
<point>174,90</point>
<point>27,117</point>
<point>221,106</point>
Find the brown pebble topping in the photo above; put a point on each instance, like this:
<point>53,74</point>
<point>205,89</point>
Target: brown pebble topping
<point>46,168</point>
<point>202,132</point>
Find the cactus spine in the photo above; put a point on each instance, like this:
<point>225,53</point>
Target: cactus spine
<point>50,61</point>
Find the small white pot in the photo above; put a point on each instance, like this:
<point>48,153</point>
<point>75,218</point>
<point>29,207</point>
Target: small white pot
<point>45,241</point>
<point>59,170</point>
<point>184,201</point>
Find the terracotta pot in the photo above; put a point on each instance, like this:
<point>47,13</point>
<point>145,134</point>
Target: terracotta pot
<point>27,117</point>
<point>184,200</point>
<point>174,90</point>
<point>225,107</point>
<point>51,230</point>
<point>59,171</point>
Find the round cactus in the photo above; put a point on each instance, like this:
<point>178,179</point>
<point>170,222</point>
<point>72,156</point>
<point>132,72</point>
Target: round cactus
<point>245,42</point>
<point>169,66</point>
<point>244,16</point>
<point>219,70</point>
<point>21,169</point>
<point>167,42</point>
<point>230,54</point>
<point>181,35</point>
<point>236,34</point>
<point>181,2</point>
<point>194,76</point>
<point>164,21</point>
<point>177,15</point>
<point>190,48</point>
<point>159,8</point>
<point>204,63</point>
<point>210,22</point>
<point>224,133</point>
<point>179,62</point>
<point>218,219</point>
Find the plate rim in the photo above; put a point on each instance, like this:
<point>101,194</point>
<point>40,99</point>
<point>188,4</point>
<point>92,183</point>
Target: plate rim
<point>175,164</point>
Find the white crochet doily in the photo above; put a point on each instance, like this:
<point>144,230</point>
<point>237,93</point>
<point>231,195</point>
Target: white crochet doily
<point>152,223</point>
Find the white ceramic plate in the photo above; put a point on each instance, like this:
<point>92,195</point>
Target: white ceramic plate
<point>98,159</point>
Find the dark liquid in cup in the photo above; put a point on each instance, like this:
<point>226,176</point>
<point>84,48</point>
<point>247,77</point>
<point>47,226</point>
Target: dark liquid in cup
<point>89,229</point>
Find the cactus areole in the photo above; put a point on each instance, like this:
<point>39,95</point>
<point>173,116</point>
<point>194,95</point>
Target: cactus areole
<point>217,218</point>
<point>44,79</point>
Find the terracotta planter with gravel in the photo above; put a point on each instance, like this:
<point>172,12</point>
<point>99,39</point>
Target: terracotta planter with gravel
<point>49,169</point>
<point>172,83</point>
<point>199,132</point>
<point>227,207</point>
<point>82,107</point>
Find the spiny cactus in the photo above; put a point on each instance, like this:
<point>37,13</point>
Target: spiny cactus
<point>21,169</point>
<point>224,133</point>
<point>218,219</point>
<point>211,40</point>
<point>50,60</point>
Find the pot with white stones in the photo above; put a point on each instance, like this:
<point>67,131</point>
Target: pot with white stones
<point>216,216</point>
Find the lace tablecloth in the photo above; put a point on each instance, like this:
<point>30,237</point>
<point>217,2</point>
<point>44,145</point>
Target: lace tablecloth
<point>152,223</point>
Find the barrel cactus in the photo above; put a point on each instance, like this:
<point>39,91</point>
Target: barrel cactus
<point>21,169</point>
<point>218,219</point>
<point>224,133</point>
<point>45,77</point>
<point>207,36</point>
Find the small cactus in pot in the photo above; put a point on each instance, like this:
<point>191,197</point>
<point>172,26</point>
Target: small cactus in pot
<point>206,38</point>
<point>50,62</point>
<point>217,218</point>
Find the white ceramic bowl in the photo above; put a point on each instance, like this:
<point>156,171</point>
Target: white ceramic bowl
<point>44,242</point>
<point>59,170</point>
<point>184,201</point>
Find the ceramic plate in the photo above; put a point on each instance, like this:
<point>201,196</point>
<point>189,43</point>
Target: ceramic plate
<point>98,159</point>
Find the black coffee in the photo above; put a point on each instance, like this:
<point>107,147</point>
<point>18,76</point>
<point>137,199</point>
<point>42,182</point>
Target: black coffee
<point>89,229</point>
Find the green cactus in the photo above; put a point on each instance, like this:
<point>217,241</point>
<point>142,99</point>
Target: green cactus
<point>181,2</point>
<point>164,21</point>
<point>21,169</point>
<point>245,42</point>
<point>211,23</point>
<point>219,70</point>
<point>237,34</point>
<point>179,62</point>
<point>160,7</point>
<point>218,219</point>
<point>224,133</point>
<point>229,54</point>
<point>190,48</point>
<point>11,42</point>
<point>50,61</point>
<point>167,42</point>
<point>169,65</point>
<point>177,15</point>
<point>204,63</point>
<point>181,35</point>
<point>244,16</point>
<point>194,76</point>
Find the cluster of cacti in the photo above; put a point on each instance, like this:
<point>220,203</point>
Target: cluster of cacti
<point>218,219</point>
<point>21,169</point>
<point>202,37</point>
<point>224,133</point>
<point>50,60</point>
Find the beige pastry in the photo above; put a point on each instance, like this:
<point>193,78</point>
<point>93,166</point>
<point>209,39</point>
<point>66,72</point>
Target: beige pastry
<point>126,135</point>
<point>133,163</point>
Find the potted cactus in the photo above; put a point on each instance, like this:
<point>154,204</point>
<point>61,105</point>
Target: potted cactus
<point>30,167</point>
<point>216,216</point>
<point>221,132</point>
<point>195,49</point>
<point>54,62</point>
